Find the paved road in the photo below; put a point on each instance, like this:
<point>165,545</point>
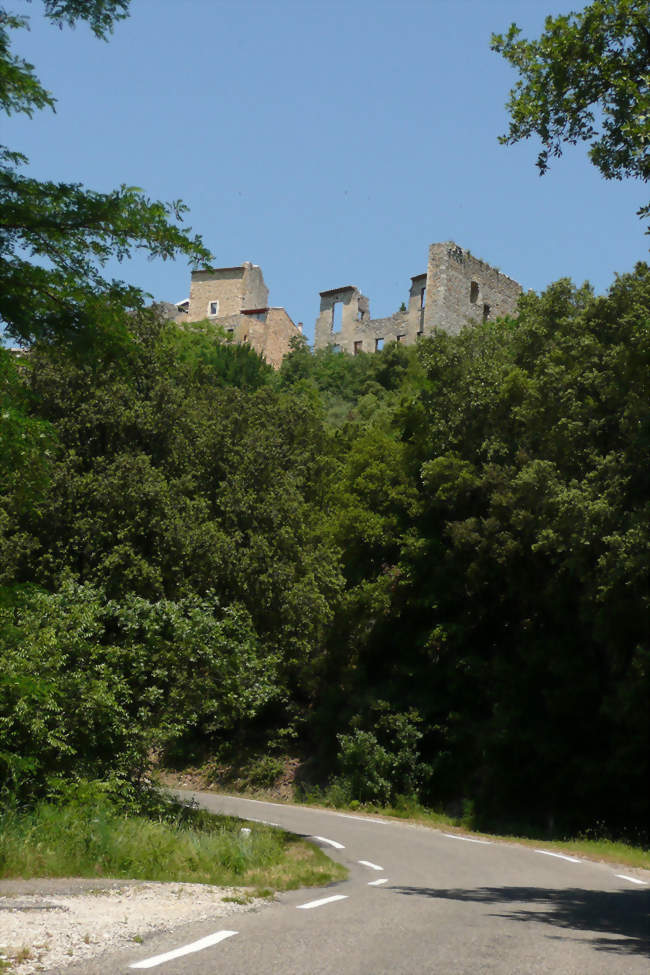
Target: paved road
<point>447,905</point>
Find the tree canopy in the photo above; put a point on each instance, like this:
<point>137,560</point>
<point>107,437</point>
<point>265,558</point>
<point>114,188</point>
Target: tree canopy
<point>586,79</point>
<point>56,238</point>
<point>435,558</point>
<point>425,569</point>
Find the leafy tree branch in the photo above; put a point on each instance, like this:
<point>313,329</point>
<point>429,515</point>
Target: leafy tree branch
<point>586,79</point>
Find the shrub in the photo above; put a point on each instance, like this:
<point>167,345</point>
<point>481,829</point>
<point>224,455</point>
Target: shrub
<point>91,688</point>
<point>380,765</point>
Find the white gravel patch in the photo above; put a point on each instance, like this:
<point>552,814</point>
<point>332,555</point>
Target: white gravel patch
<point>50,931</point>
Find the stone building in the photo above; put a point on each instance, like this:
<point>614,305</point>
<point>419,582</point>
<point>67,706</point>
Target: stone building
<point>237,299</point>
<point>457,289</point>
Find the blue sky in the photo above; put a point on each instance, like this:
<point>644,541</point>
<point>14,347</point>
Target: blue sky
<point>330,143</point>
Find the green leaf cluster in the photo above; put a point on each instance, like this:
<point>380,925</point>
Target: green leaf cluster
<point>586,79</point>
<point>90,686</point>
<point>57,238</point>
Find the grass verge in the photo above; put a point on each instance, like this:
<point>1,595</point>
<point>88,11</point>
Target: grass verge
<point>605,850</point>
<point>407,809</point>
<point>100,841</point>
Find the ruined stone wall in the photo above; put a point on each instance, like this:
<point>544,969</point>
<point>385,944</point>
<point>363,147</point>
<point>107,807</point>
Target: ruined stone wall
<point>355,314</point>
<point>279,330</point>
<point>416,305</point>
<point>456,290</point>
<point>461,290</point>
<point>380,331</point>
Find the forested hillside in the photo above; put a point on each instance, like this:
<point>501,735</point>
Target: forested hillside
<point>421,573</point>
<point>425,571</point>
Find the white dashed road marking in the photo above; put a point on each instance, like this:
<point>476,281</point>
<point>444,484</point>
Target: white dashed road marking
<point>365,819</point>
<point>633,880</point>
<point>560,856</point>
<point>378,883</point>
<point>468,839</point>
<point>367,863</point>
<point>323,839</point>
<point>207,942</point>
<point>323,900</point>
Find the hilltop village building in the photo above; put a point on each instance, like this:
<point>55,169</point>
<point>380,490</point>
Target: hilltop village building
<point>237,299</point>
<point>457,289</point>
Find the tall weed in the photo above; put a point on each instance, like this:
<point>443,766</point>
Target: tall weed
<point>79,839</point>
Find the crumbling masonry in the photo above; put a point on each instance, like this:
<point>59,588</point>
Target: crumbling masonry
<point>456,290</point>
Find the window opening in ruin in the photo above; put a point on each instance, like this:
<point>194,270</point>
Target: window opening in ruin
<point>423,297</point>
<point>358,347</point>
<point>419,334</point>
<point>337,316</point>
<point>486,312</point>
<point>400,338</point>
<point>336,348</point>
<point>379,344</point>
<point>473,292</point>
<point>213,308</point>
<point>230,331</point>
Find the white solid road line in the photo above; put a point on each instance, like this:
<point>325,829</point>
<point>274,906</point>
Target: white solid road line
<point>378,883</point>
<point>367,863</point>
<point>560,856</point>
<point>468,839</point>
<point>365,819</point>
<point>323,900</point>
<point>323,839</point>
<point>633,880</point>
<point>207,942</point>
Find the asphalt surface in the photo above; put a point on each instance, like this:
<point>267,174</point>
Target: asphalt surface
<point>448,905</point>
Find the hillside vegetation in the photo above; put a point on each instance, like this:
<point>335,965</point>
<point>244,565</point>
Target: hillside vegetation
<point>424,570</point>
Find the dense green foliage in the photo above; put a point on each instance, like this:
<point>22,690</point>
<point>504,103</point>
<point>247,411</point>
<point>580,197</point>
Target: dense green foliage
<point>425,569</point>
<point>586,79</point>
<point>56,238</point>
<point>91,686</point>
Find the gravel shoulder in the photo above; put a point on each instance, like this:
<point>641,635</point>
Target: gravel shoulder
<point>49,923</point>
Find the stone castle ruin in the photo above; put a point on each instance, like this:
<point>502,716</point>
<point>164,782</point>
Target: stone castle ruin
<point>237,299</point>
<point>456,290</point>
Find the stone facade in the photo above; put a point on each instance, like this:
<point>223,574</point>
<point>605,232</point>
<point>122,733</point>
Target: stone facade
<point>229,289</point>
<point>456,290</point>
<point>236,298</point>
